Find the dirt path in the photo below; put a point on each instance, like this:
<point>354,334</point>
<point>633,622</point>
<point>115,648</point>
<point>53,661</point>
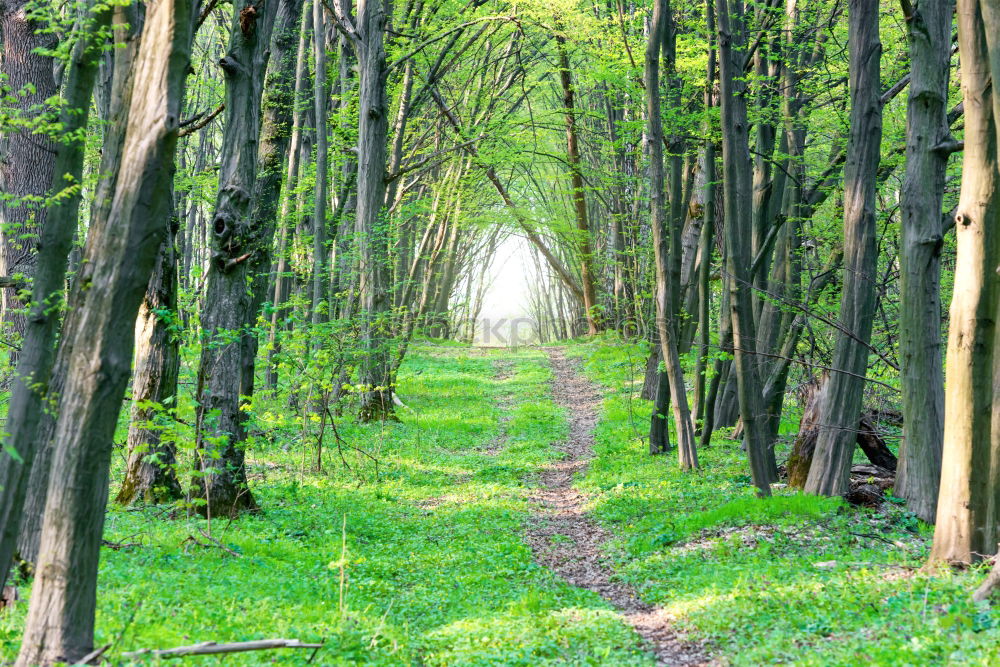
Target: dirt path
<point>578,558</point>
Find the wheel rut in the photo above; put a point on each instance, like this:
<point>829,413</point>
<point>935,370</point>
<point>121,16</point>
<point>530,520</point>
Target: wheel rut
<point>564,538</point>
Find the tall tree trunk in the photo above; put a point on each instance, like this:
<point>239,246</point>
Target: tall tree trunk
<point>31,382</point>
<point>321,100</point>
<point>150,474</point>
<point>118,260</point>
<point>666,315</point>
<point>922,378</point>
<point>579,194</point>
<point>966,521</point>
<point>707,240</point>
<point>236,238</point>
<point>27,159</point>
<point>296,159</point>
<point>371,229</point>
<point>736,172</point>
<point>841,409</point>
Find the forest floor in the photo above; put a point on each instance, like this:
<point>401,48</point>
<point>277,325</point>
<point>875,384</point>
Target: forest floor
<point>513,517</point>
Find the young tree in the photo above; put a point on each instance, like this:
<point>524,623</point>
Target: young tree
<point>118,259</point>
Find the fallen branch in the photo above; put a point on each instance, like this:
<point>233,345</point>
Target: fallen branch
<point>992,581</point>
<point>92,656</point>
<point>211,648</point>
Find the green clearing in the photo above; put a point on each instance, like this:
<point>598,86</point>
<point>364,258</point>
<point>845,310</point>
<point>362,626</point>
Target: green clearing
<point>436,573</point>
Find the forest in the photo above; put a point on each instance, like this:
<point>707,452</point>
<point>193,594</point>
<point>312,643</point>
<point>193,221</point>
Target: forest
<point>486,332</point>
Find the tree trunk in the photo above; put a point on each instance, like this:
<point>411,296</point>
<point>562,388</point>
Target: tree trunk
<point>31,381</point>
<point>921,378</point>
<point>371,232</point>
<point>579,197</point>
<point>966,524</point>
<point>27,159</point>
<point>150,474</point>
<point>321,99</point>
<point>736,172</point>
<point>666,278</point>
<point>237,237</point>
<point>118,260</point>
<point>830,472</point>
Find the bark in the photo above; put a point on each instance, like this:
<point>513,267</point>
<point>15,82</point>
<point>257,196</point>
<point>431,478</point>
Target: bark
<point>237,238</point>
<point>27,160</point>
<point>321,99</point>
<point>922,376</point>
<point>296,158</point>
<point>666,276</point>
<point>31,389</point>
<point>830,472</point>
<point>371,233</point>
<point>966,530</point>
<point>118,260</point>
<point>736,173</point>
<point>150,474</point>
<point>578,193</point>
<point>707,240</point>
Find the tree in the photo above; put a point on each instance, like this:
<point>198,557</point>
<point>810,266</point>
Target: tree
<point>31,394</point>
<point>366,34</point>
<point>736,186</point>
<point>966,528</point>
<point>27,165</point>
<point>841,408</point>
<point>921,239</point>
<point>228,309</point>
<point>117,264</point>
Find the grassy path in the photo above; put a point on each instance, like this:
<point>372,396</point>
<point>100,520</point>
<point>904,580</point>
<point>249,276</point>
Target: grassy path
<point>566,539</point>
<point>431,551</point>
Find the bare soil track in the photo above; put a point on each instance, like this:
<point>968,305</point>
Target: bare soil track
<point>575,553</point>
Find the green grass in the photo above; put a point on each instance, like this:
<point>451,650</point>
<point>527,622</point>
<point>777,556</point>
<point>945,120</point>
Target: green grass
<point>791,579</point>
<point>436,569</point>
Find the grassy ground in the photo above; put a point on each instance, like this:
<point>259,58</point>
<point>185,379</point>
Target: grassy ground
<point>790,579</point>
<point>435,571</point>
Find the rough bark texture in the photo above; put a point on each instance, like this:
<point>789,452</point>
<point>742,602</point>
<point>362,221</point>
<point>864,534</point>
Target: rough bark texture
<point>237,238</point>
<point>922,376</point>
<point>666,321</point>
<point>830,470</point>
<point>965,529</point>
<point>27,160</point>
<point>118,260</point>
<point>150,474</point>
<point>736,172</point>
<point>367,37</point>
<point>31,381</point>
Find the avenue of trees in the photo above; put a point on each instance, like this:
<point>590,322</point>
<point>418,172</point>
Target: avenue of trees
<point>279,196</point>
